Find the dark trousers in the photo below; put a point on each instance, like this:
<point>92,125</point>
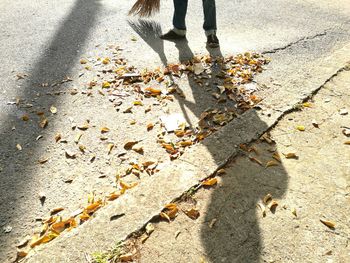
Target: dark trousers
<point>209,9</point>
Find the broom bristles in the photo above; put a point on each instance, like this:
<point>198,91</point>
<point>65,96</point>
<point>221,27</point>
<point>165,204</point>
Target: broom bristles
<point>145,8</point>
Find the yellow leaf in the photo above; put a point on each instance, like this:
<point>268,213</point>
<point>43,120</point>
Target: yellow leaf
<point>58,227</point>
<point>126,186</point>
<point>84,126</point>
<point>294,212</point>
<point>106,85</point>
<point>113,196</point>
<point>84,216</point>
<point>300,128</point>
<point>192,213</point>
<point>138,103</point>
<point>271,163</point>
<point>186,143</point>
<point>328,223</point>
<point>93,207</point>
<point>106,61</point>
<point>53,109</point>
<point>210,182</point>
<point>82,148</point>
<point>77,138</point>
<point>110,147</point>
<point>171,210</point>
<point>44,239</point>
<point>104,129</point>
<point>307,104</point>
<point>153,91</point>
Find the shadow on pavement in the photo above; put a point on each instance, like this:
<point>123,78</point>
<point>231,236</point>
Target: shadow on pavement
<point>18,177</point>
<point>235,235</point>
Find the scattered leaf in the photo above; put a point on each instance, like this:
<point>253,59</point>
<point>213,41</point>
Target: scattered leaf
<point>271,163</point>
<point>276,156</point>
<point>110,147</point>
<point>126,257</point>
<point>77,138</point>
<point>328,223</point>
<point>343,112</point>
<point>272,205</point>
<point>43,160</point>
<point>70,154</point>
<point>106,85</point>
<point>347,143</point>
<point>19,147</point>
<point>58,137</point>
<point>25,117</point>
<point>106,61</point>
<point>267,198</point>
<point>43,123</point>
<point>294,212</point>
<point>53,109</point>
<point>138,103</point>
<point>212,223</point>
<point>104,129</point>
<point>262,208</point>
<point>210,182</point>
<point>149,228</point>
<point>129,145</point>
<point>253,159</point>
<point>56,210</point>
<point>150,126</point>
<point>84,126</point>
<point>192,213</point>
<point>315,123</point>
<point>300,128</point>
<point>291,155</point>
<point>220,171</point>
<point>138,149</point>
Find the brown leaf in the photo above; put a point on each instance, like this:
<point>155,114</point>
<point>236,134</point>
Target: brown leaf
<point>104,129</point>
<point>267,198</point>
<point>253,159</point>
<point>130,144</point>
<point>150,126</point>
<point>70,154</point>
<point>84,126</point>
<point>58,137</point>
<point>93,207</point>
<point>262,208</point>
<point>220,171</point>
<point>347,143</point>
<point>210,182</point>
<point>126,257</point>
<point>271,163</point>
<point>153,91</point>
<point>272,205</point>
<point>328,223</point>
<point>276,156</point>
<point>113,196</point>
<point>192,213</point>
<point>110,147</point>
<point>291,155</point>
<point>56,210</point>
<point>137,149</point>
<point>43,123</point>
<point>25,117</point>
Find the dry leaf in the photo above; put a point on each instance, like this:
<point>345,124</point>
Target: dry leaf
<point>192,213</point>
<point>129,145</point>
<point>70,154</point>
<point>291,155</point>
<point>276,156</point>
<point>56,210</point>
<point>272,205</point>
<point>185,143</point>
<point>110,147</point>
<point>315,123</point>
<point>164,216</point>
<point>149,228</point>
<point>126,257</point>
<point>150,126</point>
<point>113,196</point>
<point>53,109</point>
<point>171,210</point>
<point>82,148</point>
<point>44,239</point>
<point>43,123</point>
<point>307,104</point>
<point>58,137</point>
<point>253,159</point>
<point>343,112</point>
<point>19,147</point>
<point>138,103</point>
<point>106,85</point>
<point>44,160</point>
<point>93,207</point>
<point>294,212</point>
<point>328,223</point>
<point>137,149</point>
<point>347,143</point>
<point>220,171</point>
<point>210,182</point>
<point>25,117</point>
<point>300,128</point>
<point>84,216</point>
<point>77,138</point>
<point>83,61</point>
<point>84,126</point>
<point>128,110</point>
<point>271,163</point>
<point>126,186</point>
<point>153,91</point>
<point>106,61</point>
<point>104,129</point>
<point>212,223</point>
<point>267,198</point>
<point>262,208</point>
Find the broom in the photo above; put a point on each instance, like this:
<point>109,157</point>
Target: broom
<point>145,8</point>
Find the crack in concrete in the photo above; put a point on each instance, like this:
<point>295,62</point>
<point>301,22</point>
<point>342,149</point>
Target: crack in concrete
<point>275,50</point>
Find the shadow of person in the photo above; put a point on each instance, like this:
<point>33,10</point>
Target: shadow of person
<point>230,231</point>
<point>18,172</point>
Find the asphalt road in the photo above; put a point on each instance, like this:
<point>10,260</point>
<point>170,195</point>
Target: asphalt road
<point>46,39</point>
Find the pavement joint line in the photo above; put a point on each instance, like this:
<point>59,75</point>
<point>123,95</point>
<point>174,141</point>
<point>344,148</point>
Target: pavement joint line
<point>81,240</point>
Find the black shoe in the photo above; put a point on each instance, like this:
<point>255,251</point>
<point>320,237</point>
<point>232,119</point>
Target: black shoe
<point>171,35</point>
<point>212,41</point>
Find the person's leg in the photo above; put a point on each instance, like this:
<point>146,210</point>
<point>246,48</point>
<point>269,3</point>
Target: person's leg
<point>209,25</point>
<point>179,23</point>
<point>209,9</point>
